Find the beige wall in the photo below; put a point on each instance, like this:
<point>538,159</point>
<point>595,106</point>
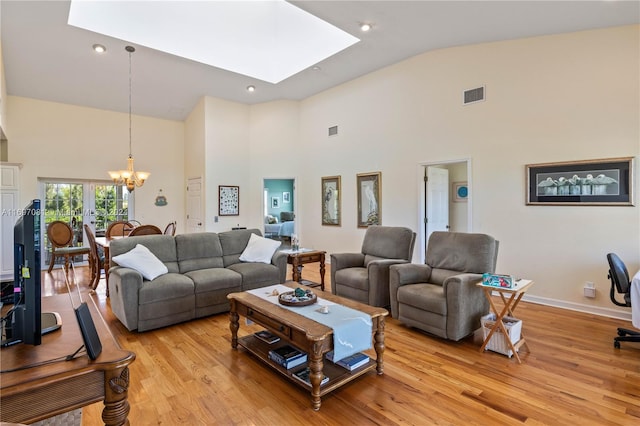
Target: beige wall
<point>557,98</point>
<point>55,140</point>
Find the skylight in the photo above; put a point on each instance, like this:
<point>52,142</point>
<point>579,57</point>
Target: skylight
<point>270,40</point>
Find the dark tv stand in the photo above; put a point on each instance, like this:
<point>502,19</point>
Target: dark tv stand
<point>51,321</point>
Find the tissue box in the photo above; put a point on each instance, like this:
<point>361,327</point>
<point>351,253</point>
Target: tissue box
<point>496,280</point>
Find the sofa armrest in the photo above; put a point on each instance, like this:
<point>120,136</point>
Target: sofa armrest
<point>466,303</point>
<point>124,285</point>
<point>279,259</point>
<point>403,274</point>
<point>342,261</point>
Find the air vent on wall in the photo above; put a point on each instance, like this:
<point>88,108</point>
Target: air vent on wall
<point>333,131</point>
<point>473,95</point>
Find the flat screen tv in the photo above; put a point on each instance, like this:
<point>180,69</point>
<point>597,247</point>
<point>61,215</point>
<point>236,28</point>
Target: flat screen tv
<point>23,322</point>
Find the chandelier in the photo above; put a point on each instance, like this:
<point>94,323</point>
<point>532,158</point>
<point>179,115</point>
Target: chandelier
<point>129,177</point>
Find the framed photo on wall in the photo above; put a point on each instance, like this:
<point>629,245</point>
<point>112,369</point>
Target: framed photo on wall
<point>606,182</point>
<point>228,200</point>
<point>286,197</point>
<point>460,191</point>
<point>331,201</point>
<point>369,199</point>
<point>275,202</point>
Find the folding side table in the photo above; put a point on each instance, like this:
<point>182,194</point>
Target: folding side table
<point>510,304</point>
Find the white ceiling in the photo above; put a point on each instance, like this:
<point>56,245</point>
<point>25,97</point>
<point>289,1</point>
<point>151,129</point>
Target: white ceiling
<point>44,58</point>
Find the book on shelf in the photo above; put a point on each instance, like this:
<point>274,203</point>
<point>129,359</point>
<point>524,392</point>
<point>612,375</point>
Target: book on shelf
<point>303,375</point>
<point>351,362</point>
<point>267,336</point>
<point>288,356</point>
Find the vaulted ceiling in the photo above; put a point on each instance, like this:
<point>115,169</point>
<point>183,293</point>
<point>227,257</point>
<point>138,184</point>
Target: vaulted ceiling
<point>45,58</point>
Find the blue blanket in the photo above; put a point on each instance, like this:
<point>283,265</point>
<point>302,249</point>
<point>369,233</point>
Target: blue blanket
<point>351,329</point>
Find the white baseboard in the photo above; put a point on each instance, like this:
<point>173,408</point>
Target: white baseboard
<point>595,310</point>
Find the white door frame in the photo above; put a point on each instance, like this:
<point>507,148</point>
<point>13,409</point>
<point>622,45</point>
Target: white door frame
<point>421,240</point>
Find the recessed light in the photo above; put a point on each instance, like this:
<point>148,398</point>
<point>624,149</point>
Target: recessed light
<point>98,48</point>
<point>316,68</point>
<point>251,88</point>
<point>364,27</point>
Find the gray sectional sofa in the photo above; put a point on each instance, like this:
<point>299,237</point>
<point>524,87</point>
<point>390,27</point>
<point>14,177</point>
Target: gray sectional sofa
<point>203,268</point>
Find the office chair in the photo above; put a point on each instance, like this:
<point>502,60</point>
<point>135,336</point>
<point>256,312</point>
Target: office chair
<point>621,283</point>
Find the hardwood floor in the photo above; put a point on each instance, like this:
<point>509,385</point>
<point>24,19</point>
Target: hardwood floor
<point>188,374</point>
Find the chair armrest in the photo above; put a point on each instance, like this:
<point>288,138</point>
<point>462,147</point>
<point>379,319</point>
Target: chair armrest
<point>378,272</point>
<point>403,274</point>
<point>342,261</point>
<point>466,303</point>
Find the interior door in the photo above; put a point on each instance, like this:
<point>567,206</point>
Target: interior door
<point>194,205</point>
<point>437,200</point>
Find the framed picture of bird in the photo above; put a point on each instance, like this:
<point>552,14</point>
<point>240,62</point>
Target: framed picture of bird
<point>588,183</point>
<point>331,201</point>
<point>369,199</point>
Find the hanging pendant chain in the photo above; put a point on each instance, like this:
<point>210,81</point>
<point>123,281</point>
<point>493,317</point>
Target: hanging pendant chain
<point>130,104</point>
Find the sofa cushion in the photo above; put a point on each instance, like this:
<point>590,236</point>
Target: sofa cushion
<point>256,275</point>
<point>259,249</point>
<point>143,261</point>
<point>201,250</point>
<point>214,279</point>
<point>165,287</point>
<point>162,246</point>
<point>233,244</point>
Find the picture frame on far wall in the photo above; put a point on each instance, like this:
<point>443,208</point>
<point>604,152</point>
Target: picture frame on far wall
<point>460,192</point>
<point>275,202</point>
<point>228,200</point>
<point>331,201</point>
<point>369,199</point>
<point>286,197</point>
<point>602,182</point>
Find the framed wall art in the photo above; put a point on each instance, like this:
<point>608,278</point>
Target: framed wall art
<point>606,182</point>
<point>275,202</point>
<point>228,200</point>
<point>331,201</point>
<point>369,199</point>
<point>460,192</point>
<point>286,197</point>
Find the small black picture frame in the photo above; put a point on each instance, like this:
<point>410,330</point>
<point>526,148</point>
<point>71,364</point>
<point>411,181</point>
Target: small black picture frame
<point>228,200</point>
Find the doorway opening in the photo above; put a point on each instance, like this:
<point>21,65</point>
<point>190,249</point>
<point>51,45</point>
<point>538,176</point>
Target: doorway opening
<point>278,209</point>
<point>446,199</point>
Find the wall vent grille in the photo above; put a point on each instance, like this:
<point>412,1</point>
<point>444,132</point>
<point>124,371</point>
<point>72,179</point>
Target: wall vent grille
<point>333,131</point>
<point>473,95</point>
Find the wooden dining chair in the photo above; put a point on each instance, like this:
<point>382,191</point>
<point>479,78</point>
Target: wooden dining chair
<point>145,230</point>
<point>120,228</point>
<point>96,259</point>
<point>60,236</point>
<point>170,229</point>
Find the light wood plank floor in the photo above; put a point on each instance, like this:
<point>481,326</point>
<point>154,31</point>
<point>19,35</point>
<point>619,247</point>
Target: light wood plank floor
<point>188,374</point>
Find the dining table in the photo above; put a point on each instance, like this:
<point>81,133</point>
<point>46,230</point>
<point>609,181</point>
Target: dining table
<point>104,243</point>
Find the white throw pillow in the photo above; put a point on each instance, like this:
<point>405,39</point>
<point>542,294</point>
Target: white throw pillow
<point>259,249</point>
<point>142,260</point>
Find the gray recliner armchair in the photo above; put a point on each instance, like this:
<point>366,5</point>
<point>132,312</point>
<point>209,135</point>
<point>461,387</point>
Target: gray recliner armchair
<point>364,276</point>
<point>441,297</point>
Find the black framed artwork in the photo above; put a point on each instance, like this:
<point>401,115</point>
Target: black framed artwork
<point>606,182</point>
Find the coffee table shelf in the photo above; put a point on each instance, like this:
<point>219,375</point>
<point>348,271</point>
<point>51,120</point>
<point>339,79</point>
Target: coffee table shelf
<point>337,375</point>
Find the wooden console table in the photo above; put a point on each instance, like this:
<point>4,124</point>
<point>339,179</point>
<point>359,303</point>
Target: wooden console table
<point>36,393</point>
<point>301,257</point>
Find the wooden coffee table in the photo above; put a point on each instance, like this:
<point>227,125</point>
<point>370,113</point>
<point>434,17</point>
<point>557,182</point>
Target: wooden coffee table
<point>310,336</point>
